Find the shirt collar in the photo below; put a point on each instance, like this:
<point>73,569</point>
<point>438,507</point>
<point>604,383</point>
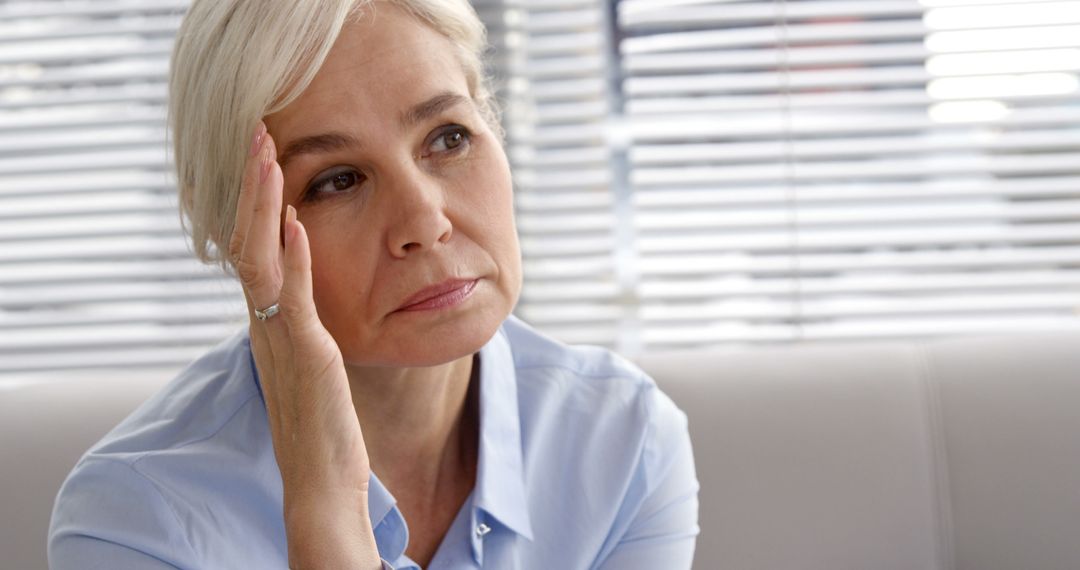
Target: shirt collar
<point>391,532</point>
<point>500,475</point>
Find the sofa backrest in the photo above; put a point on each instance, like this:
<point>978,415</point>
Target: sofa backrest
<point>47,421</point>
<point>949,454</point>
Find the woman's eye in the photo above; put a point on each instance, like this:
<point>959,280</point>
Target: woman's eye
<point>450,140</point>
<point>343,181</point>
<point>334,183</point>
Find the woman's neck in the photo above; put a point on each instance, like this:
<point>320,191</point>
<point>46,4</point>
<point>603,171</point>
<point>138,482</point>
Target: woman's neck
<point>420,425</point>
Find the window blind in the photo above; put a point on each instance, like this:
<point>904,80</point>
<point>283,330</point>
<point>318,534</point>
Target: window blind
<point>558,88</point>
<point>94,269</point>
<point>687,172</point>
<point>804,170</point>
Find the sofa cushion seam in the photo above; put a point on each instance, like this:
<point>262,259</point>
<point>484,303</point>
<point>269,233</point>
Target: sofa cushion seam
<point>940,456</point>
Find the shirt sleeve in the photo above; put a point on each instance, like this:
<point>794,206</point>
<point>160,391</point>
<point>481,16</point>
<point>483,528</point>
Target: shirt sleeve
<point>109,516</point>
<point>663,530</point>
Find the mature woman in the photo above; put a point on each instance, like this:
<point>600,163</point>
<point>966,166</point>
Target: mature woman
<point>383,407</point>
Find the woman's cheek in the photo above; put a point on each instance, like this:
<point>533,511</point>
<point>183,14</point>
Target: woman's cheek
<point>328,274</point>
<point>491,184</point>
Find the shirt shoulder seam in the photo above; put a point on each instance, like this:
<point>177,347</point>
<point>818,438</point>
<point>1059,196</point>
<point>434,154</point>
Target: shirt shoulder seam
<point>217,430</point>
<point>156,487</point>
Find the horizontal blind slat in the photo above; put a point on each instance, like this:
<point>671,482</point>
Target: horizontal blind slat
<point>814,239</point>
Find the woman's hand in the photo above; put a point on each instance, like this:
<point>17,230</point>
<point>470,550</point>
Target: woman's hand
<point>316,435</point>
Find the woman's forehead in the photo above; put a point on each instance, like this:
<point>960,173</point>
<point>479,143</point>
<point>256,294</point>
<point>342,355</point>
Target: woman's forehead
<point>385,41</point>
<point>383,63</point>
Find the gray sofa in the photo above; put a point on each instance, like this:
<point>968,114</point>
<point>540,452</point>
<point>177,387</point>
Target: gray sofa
<point>940,455</point>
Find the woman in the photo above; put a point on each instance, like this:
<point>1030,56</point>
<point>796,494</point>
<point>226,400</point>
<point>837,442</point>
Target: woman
<point>383,407</point>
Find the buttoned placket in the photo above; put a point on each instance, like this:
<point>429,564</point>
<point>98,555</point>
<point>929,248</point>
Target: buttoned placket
<point>480,530</point>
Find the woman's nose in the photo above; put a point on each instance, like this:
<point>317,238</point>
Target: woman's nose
<point>419,221</point>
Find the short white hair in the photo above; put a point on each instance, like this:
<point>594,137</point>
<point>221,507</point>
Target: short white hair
<point>236,61</point>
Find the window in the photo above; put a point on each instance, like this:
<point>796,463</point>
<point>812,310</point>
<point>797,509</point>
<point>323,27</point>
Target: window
<point>94,270</point>
<point>688,172</point>
<point>804,170</point>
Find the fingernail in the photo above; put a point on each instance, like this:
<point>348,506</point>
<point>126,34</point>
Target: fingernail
<point>290,221</point>
<point>256,142</point>
<point>267,160</point>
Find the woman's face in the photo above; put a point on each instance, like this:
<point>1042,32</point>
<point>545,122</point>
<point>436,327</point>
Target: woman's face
<point>401,186</point>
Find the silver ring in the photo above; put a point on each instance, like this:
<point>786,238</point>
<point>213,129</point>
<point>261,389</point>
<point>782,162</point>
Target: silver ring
<point>267,312</point>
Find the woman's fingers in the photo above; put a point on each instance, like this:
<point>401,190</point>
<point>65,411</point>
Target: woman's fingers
<point>254,249</point>
<point>248,190</point>
<point>263,242</point>
<point>297,301</point>
<point>255,244</point>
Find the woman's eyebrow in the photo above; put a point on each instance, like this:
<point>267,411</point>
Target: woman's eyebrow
<point>327,142</point>
<point>432,107</point>
<point>335,141</point>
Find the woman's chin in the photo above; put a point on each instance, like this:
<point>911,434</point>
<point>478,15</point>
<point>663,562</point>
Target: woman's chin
<point>422,338</point>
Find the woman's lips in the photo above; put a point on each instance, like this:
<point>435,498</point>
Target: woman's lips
<point>441,296</point>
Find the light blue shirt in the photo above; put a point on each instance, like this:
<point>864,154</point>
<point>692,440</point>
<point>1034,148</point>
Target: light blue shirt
<point>583,463</point>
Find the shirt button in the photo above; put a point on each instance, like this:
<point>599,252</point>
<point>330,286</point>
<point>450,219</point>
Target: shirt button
<point>482,529</point>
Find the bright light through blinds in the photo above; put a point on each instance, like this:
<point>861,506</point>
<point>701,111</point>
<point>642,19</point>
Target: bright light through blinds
<point>983,76</point>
